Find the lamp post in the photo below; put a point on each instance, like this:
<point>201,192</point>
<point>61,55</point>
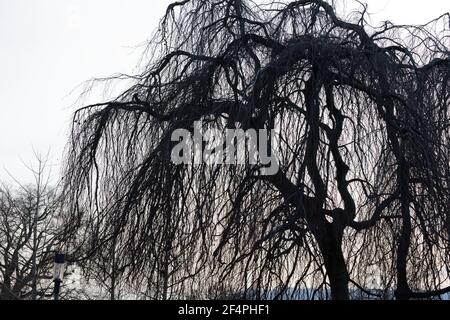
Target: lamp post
<point>58,273</point>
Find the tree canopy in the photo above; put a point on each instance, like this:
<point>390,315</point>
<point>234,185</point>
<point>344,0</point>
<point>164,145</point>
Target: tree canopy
<point>360,203</point>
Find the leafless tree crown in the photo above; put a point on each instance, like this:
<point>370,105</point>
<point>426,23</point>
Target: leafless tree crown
<point>361,201</point>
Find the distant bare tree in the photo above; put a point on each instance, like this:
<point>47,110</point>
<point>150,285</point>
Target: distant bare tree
<point>29,236</point>
<point>361,201</point>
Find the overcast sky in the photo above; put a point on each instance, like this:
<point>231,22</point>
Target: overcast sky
<point>50,47</point>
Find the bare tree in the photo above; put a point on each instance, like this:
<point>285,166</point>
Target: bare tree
<point>361,200</point>
<point>29,235</point>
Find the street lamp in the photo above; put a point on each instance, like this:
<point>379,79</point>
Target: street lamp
<point>58,273</point>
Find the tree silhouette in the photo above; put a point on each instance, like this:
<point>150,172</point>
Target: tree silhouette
<point>30,233</point>
<point>361,200</point>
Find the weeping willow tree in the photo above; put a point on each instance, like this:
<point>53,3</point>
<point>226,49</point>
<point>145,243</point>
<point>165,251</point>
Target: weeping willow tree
<point>360,202</point>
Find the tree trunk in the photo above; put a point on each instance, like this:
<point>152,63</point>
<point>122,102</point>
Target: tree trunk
<point>328,235</point>
<point>337,274</point>
<point>330,245</point>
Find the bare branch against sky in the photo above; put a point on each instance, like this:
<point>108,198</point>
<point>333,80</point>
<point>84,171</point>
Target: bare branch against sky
<point>50,47</point>
<point>225,149</point>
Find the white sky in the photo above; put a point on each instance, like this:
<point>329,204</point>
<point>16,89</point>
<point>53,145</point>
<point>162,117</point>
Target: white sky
<point>49,47</point>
